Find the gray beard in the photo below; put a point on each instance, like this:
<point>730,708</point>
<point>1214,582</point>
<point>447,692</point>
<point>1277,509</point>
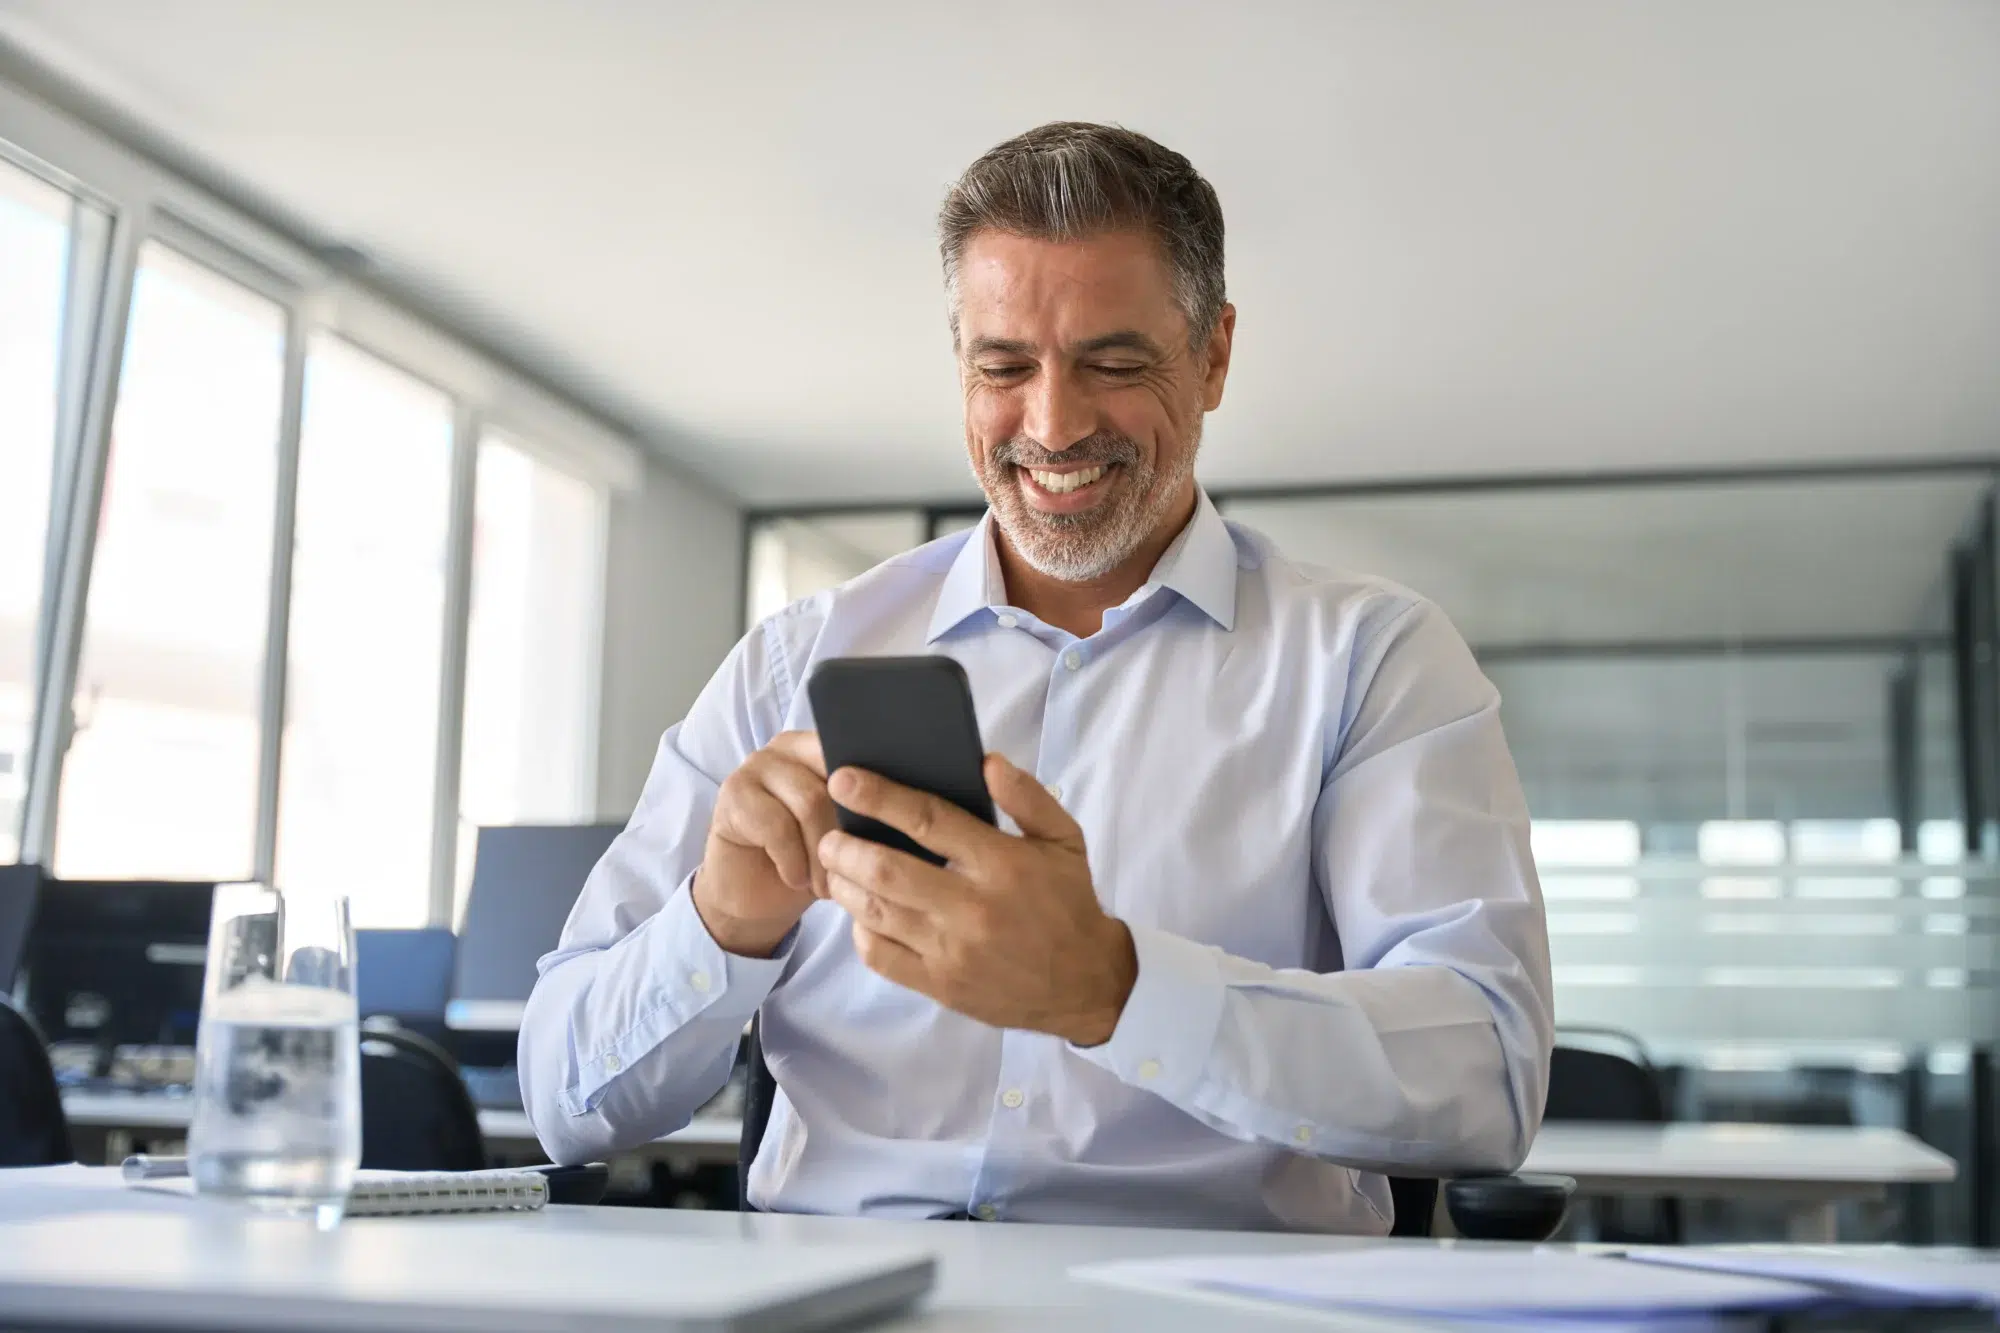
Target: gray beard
<point>1078,548</point>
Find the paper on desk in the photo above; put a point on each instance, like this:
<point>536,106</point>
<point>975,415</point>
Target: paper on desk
<point>1970,1277</point>
<point>1467,1285</point>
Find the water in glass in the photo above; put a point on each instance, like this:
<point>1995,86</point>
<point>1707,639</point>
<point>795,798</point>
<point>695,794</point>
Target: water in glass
<point>277,1115</point>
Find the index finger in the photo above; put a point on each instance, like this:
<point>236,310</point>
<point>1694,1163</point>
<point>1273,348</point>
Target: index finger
<point>931,821</point>
<point>801,747</point>
<point>1038,814</point>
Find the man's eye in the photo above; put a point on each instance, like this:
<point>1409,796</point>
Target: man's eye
<point>1121,372</point>
<point>1003,372</point>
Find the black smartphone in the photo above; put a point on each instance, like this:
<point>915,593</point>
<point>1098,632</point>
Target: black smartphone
<point>911,720</point>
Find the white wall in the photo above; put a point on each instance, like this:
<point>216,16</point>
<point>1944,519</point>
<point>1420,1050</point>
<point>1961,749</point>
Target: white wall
<point>673,605</point>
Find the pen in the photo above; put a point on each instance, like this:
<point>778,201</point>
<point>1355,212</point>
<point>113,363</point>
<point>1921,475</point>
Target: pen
<point>146,1166</point>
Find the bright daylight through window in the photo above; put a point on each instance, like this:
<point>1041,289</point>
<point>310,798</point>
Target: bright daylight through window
<point>366,644</point>
<point>161,775</point>
<point>34,270</point>
<point>537,539</point>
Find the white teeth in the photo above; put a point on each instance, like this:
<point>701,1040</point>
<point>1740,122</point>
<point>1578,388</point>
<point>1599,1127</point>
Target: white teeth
<point>1062,483</point>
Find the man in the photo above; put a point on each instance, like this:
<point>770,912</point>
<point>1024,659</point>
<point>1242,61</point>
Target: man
<point>1268,927</point>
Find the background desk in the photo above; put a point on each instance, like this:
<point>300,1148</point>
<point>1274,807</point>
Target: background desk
<point>508,1133</point>
<point>1809,1168</point>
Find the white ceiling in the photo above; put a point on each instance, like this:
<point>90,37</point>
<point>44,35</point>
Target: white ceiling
<point>1464,237</point>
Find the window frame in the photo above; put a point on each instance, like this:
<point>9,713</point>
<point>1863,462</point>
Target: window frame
<point>144,200</point>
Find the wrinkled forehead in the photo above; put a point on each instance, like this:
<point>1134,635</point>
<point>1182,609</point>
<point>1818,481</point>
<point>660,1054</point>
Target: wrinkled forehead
<point>1048,295</point>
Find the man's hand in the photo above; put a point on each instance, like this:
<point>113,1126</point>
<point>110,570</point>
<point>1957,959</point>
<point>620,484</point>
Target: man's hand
<point>1008,932</point>
<point>761,868</point>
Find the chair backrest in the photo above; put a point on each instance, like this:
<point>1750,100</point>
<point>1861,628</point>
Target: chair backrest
<point>1598,1085</point>
<point>415,1112</point>
<point>759,1090</point>
<point>405,975</point>
<point>1601,1085</point>
<point>33,1129</point>
<point>20,888</point>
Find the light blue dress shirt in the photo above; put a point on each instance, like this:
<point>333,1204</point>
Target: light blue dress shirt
<point>1295,793</point>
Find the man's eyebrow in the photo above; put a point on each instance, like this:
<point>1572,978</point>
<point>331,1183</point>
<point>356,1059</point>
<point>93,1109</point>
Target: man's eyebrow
<point>1127,340</point>
<point>1008,346</point>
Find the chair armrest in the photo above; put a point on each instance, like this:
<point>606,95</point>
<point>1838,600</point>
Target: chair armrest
<point>584,1184</point>
<point>1526,1207</point>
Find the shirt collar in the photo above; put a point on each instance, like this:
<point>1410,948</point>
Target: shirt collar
<point>1200,566</point>
<point>973,582</point>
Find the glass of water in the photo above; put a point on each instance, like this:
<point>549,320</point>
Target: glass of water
<point>277,1085</point>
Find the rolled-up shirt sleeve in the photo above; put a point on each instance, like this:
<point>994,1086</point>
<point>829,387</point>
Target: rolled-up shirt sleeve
<point>1428,1051</point>
<point>636,1016</point>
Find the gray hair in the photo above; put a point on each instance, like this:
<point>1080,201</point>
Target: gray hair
<point>1070,179</point>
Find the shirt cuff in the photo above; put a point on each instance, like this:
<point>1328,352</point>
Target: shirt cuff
<point>701,973</point>
<point>1163,1038</point>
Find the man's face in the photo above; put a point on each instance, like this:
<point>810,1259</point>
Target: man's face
<point>1083,400</point>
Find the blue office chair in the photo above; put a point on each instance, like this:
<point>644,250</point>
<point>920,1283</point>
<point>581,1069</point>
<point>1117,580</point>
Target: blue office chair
<point>1496,1207</point>
<point>405,975</point>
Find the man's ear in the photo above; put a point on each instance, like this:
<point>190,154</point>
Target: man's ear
<point>1216,358</point>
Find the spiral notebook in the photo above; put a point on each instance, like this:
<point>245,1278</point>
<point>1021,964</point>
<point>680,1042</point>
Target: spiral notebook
<point>388,1193</point>
<point>414,1193</point>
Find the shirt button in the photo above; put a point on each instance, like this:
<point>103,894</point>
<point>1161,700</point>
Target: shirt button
<point>699,981</point>
<point>611,1064</point>
<point>1054,789</point>
<point>986,1212</point>
<point>1073,660</point>
<point>1149,1069</point>
<point>1303,1134</point>
<point>1007,620</point>
<point>1012,1099</point>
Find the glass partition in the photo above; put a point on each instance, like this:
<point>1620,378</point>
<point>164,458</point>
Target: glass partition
<point>792,558</point>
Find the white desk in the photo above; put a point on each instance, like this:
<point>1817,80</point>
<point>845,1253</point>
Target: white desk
<point>991,1278</point>
<point>1812,1168</point>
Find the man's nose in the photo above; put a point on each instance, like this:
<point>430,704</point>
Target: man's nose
<point>1059,413</point>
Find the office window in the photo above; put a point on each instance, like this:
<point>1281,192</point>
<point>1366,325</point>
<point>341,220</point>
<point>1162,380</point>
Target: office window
<point>792,558</point>
<point>1584,842</point>
<point>1741,842</point>
<point>358,775</point>
<point>161,775</point>
<point>1573,855</point>
<point>1846,841</point>
<point>531,647</point>
<point>34,272</point>
<point>947,524</point>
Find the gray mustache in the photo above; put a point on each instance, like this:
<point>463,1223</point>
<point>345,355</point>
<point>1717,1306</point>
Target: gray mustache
<point>1096,449</point>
